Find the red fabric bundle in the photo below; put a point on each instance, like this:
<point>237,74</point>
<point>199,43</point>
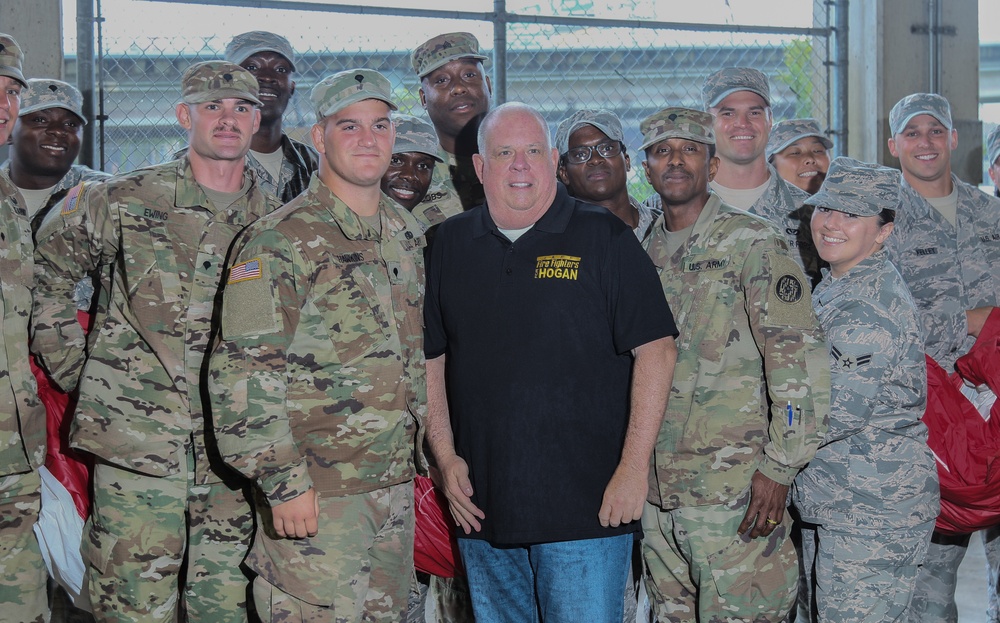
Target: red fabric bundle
<point>967,448</point>
<point>71,468</point>
<point>435,550</point>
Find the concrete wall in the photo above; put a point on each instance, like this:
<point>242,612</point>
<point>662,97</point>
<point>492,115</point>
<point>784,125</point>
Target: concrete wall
<point>37,26</point>
<point>891,54</point>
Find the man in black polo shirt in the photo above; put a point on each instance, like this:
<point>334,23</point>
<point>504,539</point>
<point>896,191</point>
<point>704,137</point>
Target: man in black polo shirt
<point>550,352</point>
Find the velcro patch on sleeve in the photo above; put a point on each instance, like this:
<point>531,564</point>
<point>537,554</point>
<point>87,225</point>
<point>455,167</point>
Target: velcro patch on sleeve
<point>249,308</point>
<point>789,301</point>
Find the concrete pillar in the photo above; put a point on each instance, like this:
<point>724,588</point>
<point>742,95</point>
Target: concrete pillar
<point>37,26</point>
<point>898,47</point>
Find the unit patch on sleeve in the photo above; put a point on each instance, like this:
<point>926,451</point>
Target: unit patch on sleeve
<point>557,267</point>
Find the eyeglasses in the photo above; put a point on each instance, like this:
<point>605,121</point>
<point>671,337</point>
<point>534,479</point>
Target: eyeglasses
<point>579,155</point>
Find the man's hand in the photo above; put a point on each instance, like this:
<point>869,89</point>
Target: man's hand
<point>976,319</point>
<point>297,518</point>
<point>624,497</point>
<point>767,506</point>
<point>458,489</point>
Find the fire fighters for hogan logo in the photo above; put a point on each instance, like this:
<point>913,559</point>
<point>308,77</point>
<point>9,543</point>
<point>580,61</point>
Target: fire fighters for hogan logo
<point>557,267</point>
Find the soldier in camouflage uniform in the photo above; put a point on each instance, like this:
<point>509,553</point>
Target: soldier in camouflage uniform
<point>45,143</point>
<point>456,92</point>
<point>318,382</point>
<point>870,495</point>
<point>414,155</point>
<point>270,58</point>
<point>946,245</point>
<point>161,496</point>
<point>798,150</point>
<point>993,159</point>
<point>594,162</point>
<point>750,396</point>
<point>22,416</point>
<point>739,98</point>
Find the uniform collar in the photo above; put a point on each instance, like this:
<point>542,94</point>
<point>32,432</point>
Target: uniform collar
<point>554,220</point>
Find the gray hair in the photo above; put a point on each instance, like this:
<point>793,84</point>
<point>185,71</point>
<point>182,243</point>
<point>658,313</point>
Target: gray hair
<point>493,117</point>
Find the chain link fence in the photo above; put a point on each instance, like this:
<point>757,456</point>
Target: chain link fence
<point>557,55</point>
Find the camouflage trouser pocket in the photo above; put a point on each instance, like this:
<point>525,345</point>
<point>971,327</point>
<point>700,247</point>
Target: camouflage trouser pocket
<point>98,545</point>
<point>724,566</point>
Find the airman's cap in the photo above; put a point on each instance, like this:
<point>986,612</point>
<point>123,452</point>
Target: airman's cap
<point>604,120</point>
<point>208,81</point>
<point>859,188</point>
<point>45,93</point>
<point>732,79</point>
<point>443,49</point>
<point>337,92</point>
<point>11,59</point>
<point>247,44</point>
<point>993,147</point>
<point>687,123</point>
<point>786,132</point>
<point>919,104</point>
<point>413,134</point>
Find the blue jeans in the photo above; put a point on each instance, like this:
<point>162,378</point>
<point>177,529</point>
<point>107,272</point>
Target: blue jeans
<point>569,581</point>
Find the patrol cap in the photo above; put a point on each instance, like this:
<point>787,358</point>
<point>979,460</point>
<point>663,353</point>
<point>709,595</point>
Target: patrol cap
<point>11,59</point>
<point>45,93</point>
<point>443,49</point>
<point>208,81</point>
<point>917,104</point>
<point>993,146</point>
<point>604,120</point>
<point>732,79</point>
<point>859,188</point>
<point>245,45</point>
<point>337,92</point>
<point>786,132</point>
<point>413,134</point>
<point>687,123</point>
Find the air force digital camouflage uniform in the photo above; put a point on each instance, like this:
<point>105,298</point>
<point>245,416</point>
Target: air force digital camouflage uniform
<point>319,383</point>
<point>414,134</point>
<point>871,491</point>
<point>22,416</point>
<point>949,269</point>
<point>141,409</point>
<point>749,345</point>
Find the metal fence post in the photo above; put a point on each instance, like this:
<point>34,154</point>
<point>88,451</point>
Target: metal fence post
<point>840,91</point>
<point>85,77</point>
<point>500,51</point>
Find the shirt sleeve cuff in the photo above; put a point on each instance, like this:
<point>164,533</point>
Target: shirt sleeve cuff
<point>781,474</point>
<point>287,483</point>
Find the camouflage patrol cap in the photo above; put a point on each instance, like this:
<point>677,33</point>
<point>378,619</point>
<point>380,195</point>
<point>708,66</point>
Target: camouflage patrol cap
<point>859,188</point>
<point>993,147</point>
<point>786,132</point>
<point>45,93</point>
<point>11,59</point>
<point>732,79</point>
<point>917,104</point>
<point>413,134</point>
<point>337,92</point>
<point>604,120</point>
<point>443,49</point>
<point>245,45</point>
<point>208,81</point>
<point>687,123</point>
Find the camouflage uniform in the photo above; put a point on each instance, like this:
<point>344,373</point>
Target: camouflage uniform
<point>319,382</point>
<point>949,269</point>
<point>22,416</point>
<point>746,328</point>
<point>300,161</point>
<point>871,491</point>
<point>413,134</point>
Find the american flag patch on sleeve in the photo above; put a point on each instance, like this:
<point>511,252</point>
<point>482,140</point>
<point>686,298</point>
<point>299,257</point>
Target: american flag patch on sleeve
<point>71,202</point>
<point>245,271</point>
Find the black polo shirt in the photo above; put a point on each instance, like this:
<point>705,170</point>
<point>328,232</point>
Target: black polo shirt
<point>538,335</point>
